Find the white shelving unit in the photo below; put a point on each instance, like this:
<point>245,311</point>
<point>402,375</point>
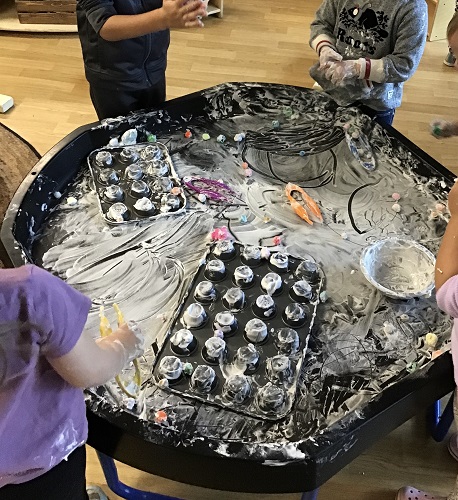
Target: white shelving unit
<point>439,14</point>
<point>215,7</point>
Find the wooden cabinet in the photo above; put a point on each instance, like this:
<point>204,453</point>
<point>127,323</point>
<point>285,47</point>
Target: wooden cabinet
<point>63,11</point>
<point>215,7</point>
<point>439,14</point>
<point>46,11</point>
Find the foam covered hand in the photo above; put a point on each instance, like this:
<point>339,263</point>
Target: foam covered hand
<point>132,339</point>
<point>442,128</point>
<point>328,55</point>
<point>184,13</point>
<point>340,72</point>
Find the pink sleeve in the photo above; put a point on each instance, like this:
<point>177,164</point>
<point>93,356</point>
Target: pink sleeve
<point>60,312</point>
<point>447,296</point>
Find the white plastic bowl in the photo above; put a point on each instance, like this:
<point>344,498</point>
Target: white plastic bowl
<point>400,268</point>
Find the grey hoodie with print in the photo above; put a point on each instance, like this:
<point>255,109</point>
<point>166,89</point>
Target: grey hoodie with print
<point>389,34</point>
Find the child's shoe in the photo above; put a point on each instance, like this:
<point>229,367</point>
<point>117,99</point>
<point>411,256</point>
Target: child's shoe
<point>453,445</point>
<point>450,59</point>
<point>411,493</point>
<point>95,492</point>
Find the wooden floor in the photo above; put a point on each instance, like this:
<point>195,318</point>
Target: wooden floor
<point>264,41</point>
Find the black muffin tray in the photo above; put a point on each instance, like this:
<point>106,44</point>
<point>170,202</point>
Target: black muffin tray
<point>230,375</point>
<point>135,183</point>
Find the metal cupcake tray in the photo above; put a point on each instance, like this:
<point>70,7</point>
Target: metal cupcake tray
<point>136,183</point>
<point>241,334</point>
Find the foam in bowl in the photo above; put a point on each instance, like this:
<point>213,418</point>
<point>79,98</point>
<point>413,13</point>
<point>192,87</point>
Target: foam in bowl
<point>398,267</point>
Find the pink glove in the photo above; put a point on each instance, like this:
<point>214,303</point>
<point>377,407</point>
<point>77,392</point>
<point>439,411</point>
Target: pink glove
<point>328,55</point>
<point>340,72</point>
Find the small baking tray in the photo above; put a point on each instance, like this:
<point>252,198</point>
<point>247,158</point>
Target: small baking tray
<point>136,183</point>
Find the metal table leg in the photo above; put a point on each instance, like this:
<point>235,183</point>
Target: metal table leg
<point>310,495</point>
<point>121,489</point>
<point>440,421</point>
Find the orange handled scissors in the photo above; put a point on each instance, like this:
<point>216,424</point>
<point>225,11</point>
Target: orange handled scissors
<point>302,204</point>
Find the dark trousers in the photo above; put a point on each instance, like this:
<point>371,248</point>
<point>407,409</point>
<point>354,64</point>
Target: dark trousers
<point>110,103</point>
<point>65,481</point>
<point>384,117</point>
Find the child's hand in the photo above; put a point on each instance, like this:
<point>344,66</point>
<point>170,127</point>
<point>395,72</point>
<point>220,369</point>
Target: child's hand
<point>132,338</point>
<point>340,72</point>
<point>328,55</point>
<point>453,200</point>
<point>442,128</point>
<point>184,13</point>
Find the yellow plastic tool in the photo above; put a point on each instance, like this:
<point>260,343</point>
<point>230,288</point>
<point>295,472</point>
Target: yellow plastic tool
<point>105,330</point>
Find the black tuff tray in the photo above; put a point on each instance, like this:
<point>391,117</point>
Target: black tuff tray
<point>257,378</point>
<point>157,174</point>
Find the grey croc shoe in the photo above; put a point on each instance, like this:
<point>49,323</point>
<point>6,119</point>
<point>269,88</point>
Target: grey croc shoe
<point>95,492</point>
<point>411,493</point>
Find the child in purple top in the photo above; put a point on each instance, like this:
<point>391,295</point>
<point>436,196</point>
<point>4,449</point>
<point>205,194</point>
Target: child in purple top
<point>46,358</point>
<point>447,300</point>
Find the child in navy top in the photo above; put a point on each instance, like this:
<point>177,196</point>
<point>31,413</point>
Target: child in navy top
<point>124,44</point>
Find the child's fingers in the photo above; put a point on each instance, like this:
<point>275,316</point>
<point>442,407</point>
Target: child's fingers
<point>194,24</point>
<point>192,5</point>
<point>191,16</point>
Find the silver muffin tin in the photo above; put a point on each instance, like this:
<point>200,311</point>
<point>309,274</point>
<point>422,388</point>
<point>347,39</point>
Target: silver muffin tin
<point>264,389</point>
<point>135,183</point>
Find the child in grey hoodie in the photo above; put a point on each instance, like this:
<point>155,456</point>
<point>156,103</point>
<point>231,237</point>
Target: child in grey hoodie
<point>368,50</point>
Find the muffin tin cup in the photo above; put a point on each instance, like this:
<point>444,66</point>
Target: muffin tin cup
<point>260,313</point>
<point>182,353</point>
<point>233,308</point>
<point>215,277</point>
<point>251,368</point>
<point>245,286</point>
<point>145,213</point>
<point>261,342</point>
<point>206,301</point>
<point>253,263</point>
<point>230,333</point>
<point>125,215</point>
<point>295,324</point>
<point>257,376</point>
<point>119,172</point>
<point>279,270</point>
<point>201,391</point>
<point>192,328</point>
<point>270,413</point>
<point>275,294</point>
<point>213,361</point>
<point>300,299</point>
<point>175,381</point>
<point>227,257</point>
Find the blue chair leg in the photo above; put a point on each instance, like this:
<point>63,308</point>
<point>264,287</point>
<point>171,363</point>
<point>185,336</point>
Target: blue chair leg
<point>310,495</point>
<point>121,489</point>
<point>440,421</point>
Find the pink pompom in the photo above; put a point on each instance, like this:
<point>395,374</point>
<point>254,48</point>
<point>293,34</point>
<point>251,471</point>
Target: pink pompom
<point>220,233</point>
